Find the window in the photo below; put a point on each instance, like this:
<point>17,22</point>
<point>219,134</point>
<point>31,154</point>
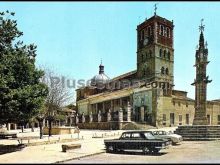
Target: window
<point>161,52</point>
<point>167,71</point>
<point>149,135</point>
<point>174,103</point>
<point>179,103</point>
<point>142,34</point>
<point>168,55</point>
<point>162,70</point>
<point>218,119</point>
<point>168,32</point>
<point>161,30</point>
<point>164,119</point>
<point>180,119</point>
<point>186,104</point>
<point>209,119</point>
<point>164,53</point>
<point>125,136</point>
<point>135,136</point>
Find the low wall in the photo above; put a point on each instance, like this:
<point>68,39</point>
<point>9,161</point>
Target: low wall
<point>112,125</point>
<point>59,130</point>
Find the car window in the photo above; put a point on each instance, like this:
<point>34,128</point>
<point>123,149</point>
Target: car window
<point>155,133</point>
<point>125,136</point>
<point>160,133</point>
<point>149,135</point>
<point>135,135</point>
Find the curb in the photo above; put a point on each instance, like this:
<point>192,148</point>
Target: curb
<point>62,161</point>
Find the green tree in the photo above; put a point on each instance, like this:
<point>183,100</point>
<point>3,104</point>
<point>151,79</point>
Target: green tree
<point>22,94</point>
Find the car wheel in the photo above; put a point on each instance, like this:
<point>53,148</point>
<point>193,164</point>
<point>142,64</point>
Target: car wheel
<point>146,150</point>
<point>155,150</point>
<point>110,148</point>
<point>174,143</point>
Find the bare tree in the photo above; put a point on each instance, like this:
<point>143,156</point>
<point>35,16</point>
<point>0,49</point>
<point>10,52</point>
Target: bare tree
<point>59,95</point>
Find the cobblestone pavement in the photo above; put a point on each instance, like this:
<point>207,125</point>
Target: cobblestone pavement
<point>187,152</point>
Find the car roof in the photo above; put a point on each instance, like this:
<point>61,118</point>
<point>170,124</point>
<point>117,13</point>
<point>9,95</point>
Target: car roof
<point>136,131</point>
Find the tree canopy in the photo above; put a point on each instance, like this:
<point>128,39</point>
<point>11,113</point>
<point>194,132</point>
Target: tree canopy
<point>21,92</point>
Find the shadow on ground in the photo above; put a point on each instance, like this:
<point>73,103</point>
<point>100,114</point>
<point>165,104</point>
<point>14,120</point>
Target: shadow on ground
<point>4,149</point>
<point>138,153</point>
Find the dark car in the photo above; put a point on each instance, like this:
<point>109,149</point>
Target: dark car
<point>137,140</point>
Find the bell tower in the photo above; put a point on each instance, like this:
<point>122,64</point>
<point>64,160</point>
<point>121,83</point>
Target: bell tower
<point>155,53</point>
<point>201,80</point>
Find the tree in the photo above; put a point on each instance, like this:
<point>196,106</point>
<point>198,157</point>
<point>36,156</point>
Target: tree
<point>21,92</point>
<point>57,97</point>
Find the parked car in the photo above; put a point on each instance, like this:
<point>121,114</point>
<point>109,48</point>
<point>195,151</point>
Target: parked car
<point>137,140</point>
<point>175,138</point>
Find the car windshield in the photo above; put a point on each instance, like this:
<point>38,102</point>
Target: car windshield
<point>149,135</point>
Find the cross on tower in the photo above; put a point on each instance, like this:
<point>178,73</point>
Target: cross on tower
<point>155,8</point>
<point>201,27</point>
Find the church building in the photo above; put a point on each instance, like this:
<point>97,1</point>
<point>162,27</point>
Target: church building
<point>145,96</point>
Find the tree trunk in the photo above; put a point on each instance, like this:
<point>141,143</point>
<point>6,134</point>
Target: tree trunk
<point>41,129</point>
<point>50,127</point>
<point>22,127</point>
<point>32,127</point>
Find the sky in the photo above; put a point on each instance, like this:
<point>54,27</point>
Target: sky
<point>73,37</point>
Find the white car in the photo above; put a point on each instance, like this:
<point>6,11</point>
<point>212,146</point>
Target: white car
<point>175,138</point>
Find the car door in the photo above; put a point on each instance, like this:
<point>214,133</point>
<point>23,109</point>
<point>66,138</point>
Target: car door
<point>124,144</point>
<point>135,141</point>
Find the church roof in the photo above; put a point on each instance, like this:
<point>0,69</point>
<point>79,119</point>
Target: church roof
<point>124,75</point>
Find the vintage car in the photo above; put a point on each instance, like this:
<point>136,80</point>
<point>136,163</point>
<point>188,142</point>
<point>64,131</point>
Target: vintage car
<point>137,140</point>
<point>175,138</point>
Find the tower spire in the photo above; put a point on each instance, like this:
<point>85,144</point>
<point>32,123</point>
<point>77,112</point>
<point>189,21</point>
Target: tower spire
<point>101,68</point>
<point>201,38</point>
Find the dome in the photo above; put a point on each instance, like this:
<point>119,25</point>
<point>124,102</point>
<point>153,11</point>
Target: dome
<point>101,78</point>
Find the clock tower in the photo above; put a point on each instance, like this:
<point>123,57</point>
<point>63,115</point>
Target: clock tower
<point>155,53</point>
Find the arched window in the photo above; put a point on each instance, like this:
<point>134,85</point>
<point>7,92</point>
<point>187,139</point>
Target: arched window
<point>162,70</point>
<point>168,32</point>
<point>161,30</point>
<point>168,55</point>
<point>164,53</point>
<point>142,34</point>
<point>149,31</point>
<point>167,71</point>
<point>161,52</point>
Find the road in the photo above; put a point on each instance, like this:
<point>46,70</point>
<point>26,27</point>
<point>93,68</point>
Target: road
<point>187,152</point>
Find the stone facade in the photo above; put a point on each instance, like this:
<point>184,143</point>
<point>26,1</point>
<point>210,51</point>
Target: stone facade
<point>158,105</point>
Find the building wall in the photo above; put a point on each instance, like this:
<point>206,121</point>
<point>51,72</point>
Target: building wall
<point>168,105</point>
<point>213,109</point>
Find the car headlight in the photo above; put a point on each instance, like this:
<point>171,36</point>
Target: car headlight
<point>163,145</point>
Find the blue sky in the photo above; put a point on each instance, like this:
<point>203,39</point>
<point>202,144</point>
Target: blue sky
<point>73,37</point>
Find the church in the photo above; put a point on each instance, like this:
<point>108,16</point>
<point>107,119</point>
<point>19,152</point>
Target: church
<point>145,96</point>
